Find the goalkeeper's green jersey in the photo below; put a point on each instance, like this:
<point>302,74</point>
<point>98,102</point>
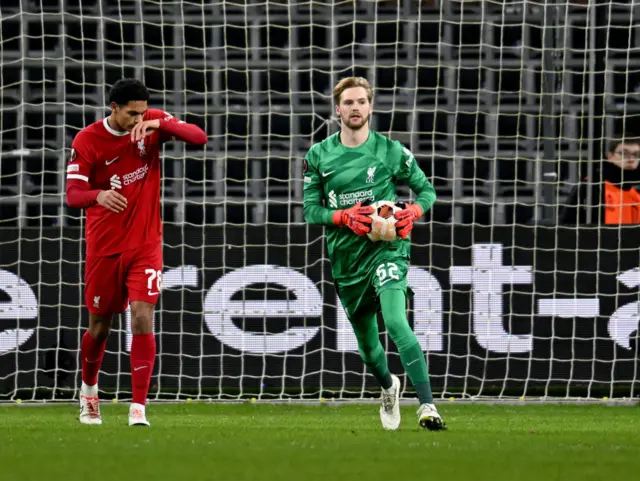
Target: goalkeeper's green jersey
<point>338,177</point>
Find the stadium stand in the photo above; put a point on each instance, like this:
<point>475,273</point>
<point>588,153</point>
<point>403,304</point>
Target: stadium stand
<point>460,86</point>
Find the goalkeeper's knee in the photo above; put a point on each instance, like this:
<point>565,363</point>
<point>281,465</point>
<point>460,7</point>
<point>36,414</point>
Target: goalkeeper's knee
<point>395,319</point>
<point>400,333</point>
<point>370,352</point>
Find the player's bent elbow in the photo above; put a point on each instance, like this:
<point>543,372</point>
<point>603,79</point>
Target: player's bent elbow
<point>71,201</point>
<point>200,138</point>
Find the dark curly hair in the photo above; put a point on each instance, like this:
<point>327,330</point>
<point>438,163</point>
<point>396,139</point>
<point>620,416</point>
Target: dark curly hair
<point>128,90</point>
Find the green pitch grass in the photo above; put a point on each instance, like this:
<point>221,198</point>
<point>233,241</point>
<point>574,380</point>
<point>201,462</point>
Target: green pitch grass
<point>260,442</point>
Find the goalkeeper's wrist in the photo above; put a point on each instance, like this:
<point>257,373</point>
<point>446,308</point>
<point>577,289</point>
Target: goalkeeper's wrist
<point>417,209</point>
<point>336,218</point>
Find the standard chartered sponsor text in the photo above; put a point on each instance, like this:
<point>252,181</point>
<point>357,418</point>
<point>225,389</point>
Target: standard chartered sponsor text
<point>355,197</point>
<point>138,174</point>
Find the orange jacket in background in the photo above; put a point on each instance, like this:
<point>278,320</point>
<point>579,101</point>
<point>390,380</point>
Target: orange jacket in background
<point>621,206</point>
<point>615,194</point>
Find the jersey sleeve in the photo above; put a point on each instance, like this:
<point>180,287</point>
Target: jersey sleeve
<point>80,160</point>
<point>406,169</point>
<point>157,114</point>
<point>314,210</point>
<point>174,129</point>
<point>79,166</point>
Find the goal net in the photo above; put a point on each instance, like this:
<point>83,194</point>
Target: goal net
<point>506,105</point>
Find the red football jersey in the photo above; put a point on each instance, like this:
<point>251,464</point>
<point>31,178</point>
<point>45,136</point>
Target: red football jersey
<point>107,159</point>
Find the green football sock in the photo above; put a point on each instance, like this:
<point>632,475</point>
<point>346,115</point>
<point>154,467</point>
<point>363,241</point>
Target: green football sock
<point>393,303</point>
<point>415,366</point>
<point>371,350</point>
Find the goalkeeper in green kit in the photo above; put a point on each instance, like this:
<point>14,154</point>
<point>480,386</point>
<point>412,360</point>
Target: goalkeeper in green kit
<point>342,174</point>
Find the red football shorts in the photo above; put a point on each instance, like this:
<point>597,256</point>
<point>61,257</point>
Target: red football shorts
<point>112,282</point>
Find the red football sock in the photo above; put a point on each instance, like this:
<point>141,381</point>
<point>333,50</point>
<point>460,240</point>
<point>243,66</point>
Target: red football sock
<point>143,356</point>
<point>91,352</point>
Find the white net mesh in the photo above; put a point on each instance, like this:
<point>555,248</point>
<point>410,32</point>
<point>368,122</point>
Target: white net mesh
<point>499,101</point>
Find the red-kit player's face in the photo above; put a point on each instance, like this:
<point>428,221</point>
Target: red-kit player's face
<point>130,115</point>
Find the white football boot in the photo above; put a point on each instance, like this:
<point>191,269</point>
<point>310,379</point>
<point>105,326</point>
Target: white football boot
<point>89,405</point>
<point>390,408</point>
<point>429,418</point>
<point>137,415</point>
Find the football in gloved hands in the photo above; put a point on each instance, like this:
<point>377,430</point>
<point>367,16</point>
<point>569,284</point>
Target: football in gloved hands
<point>383,222</point>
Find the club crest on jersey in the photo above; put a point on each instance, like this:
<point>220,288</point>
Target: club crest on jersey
<point>142,150</point>
<point>371,172</point>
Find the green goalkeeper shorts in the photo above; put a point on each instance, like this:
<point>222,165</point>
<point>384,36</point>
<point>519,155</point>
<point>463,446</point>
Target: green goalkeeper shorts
<point>360,296</point>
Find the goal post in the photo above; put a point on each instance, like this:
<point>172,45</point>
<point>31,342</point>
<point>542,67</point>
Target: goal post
<point>501,104</point>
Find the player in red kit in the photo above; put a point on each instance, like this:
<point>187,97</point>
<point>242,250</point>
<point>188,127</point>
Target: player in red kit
<point>114,174</point>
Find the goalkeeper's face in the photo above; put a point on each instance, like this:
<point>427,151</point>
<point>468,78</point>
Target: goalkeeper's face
<point>354,108</point>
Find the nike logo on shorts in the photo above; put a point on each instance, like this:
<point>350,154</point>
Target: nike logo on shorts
<point>325,174</point>
<point>152,293</point>
<point>138,368</point>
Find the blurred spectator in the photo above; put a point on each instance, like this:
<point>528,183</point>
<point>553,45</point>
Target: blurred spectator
<point>615,188</point>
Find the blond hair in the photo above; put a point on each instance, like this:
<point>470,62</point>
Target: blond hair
<point>351,82</point>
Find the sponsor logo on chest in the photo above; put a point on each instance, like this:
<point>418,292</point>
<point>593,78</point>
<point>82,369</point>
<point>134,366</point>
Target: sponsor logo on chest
<point>351,198</point>
<point>117,182</point>
<point>347,199</point>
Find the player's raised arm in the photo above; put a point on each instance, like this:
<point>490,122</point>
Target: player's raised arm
<point>356,217</point>
<point>183,131</point>
<point>170,129</point>
<point>409,171</point>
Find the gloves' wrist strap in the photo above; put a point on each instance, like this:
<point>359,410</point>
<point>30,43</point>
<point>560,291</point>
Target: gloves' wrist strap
<point>417,209</point>
<point>336,218</point>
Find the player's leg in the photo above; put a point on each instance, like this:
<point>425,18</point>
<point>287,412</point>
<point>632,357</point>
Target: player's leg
<point>92,349</point>
<point>391,285</point>
<point>356,299</point>
<point>142,359</point>
<point>374,357</point>
<point>370,348</point>
<point>102,278</point>
<point>144,283</point>
<point>358,302</point>
<point>393,303</point>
